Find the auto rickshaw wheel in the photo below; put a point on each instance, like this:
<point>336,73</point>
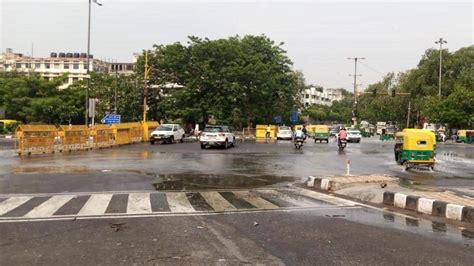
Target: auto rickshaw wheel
<point>406,165</point>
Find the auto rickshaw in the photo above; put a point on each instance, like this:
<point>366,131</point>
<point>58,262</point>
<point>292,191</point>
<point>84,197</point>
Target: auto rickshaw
<point>427,131</point>
<point>321,132</point>
<point>414,148</point>
<point>465,136</point>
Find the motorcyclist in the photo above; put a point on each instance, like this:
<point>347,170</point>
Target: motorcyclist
<point>342,135</point>
<point>305,132</point>
<point>299,134</point>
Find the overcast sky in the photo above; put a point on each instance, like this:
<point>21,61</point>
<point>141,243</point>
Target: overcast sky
<point>318,35</point>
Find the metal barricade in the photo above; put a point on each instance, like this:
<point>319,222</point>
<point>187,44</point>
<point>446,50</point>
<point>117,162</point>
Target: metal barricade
<point>136,132</point>
<point>261,131</point>
<point>36,139</point>
<point>121,133</point>
<point>74,137</point>
<point>103,136</point>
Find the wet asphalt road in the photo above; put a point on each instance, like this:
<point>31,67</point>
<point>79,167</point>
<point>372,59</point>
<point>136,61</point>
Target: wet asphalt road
<point>322,235</point>
<point>180,166</point>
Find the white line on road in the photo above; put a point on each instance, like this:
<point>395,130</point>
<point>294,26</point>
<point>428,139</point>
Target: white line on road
<point>49,207</point>
<point>255,200</point>
<point>96,205</point>
<point>288,198</point>
<point>11,203</point>
<point>217,202</point>
<point>178,202</point>
<point>139,203</point>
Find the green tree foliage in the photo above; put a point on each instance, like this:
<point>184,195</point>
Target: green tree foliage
<point>338,112</point>
<point>421,86</point>
<point>32,99</point>
<point>238,80</point>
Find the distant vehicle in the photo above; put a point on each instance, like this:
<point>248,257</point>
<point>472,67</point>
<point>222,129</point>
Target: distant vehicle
<point>284,132</point>
<point>321,132</point>
<point>380,126</point>
<point>353,135</point>
<point>167,133</point>
<point>333,130</point>
<point>217,136</point>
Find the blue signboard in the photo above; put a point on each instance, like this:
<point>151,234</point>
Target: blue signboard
<point>277,119</point>
<point>294,117</point>
<point>111,119</point>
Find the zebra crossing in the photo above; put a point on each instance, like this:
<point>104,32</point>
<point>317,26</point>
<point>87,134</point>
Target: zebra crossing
<point>133,204</point>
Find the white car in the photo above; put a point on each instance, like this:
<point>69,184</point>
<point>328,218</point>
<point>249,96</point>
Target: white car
<point>284,132</point>
<point>167,133</point>
<point>353,135</point>
<point>217,136</point>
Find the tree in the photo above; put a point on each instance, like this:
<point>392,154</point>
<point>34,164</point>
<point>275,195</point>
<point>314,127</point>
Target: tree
<point>239,80</point>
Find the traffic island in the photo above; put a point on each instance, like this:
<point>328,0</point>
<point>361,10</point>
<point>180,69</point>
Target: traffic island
<point>387,191</point>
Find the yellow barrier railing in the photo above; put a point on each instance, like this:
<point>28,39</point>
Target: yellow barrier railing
<point>103,136</point>
<point>74,137</point>
<point>261,131</point>
<point>36,139</point>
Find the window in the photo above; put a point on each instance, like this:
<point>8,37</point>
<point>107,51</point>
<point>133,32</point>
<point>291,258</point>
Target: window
<point>27,65</point>
<point>56,66</point>
<point>307,96</point>
<point>37,65</point>
<point>75,66</point>
<point>421,142</point>
<point>75,79</point>
<point>46,65</point>
<point>66,65</point>
<point>18,65</point>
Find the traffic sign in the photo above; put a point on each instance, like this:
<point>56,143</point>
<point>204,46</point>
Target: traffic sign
<point>111,119</point>
<point>294,117</point>
<point>277,119</point>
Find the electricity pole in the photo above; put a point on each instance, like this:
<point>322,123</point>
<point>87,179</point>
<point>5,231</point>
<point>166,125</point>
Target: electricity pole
<point>88,59</point>
<point>145,93</point>
<point>441,41</point>
<point>354,108</point>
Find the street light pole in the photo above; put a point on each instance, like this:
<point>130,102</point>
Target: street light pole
<point>354,117</point>
<point>441,41</point>
<point>88,58</point>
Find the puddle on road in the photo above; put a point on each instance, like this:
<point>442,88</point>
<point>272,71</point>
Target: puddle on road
<point>22,169</point>
<point>202,181</point>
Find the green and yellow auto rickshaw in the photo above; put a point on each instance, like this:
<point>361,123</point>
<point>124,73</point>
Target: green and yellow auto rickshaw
<point>414,148</point>
<point>465,136</point>
<point>321,132</point>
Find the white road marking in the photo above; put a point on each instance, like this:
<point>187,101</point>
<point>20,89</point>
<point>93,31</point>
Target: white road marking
<point>178,202</point>
<point>139,203</point>
<point>96,205</point>
<point>49,207</point>
<point>255,200</point>
<point>217,202</point>
<point>12,203</point>
<point>325,197</point>
<point>288,198</point>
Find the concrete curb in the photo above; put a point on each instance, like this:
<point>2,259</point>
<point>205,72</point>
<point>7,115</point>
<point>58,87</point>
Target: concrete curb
<point>429,206</point>
<point>327,183</point>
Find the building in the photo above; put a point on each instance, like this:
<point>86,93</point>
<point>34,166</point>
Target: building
<point>57,64</point>
<point>321,96</point>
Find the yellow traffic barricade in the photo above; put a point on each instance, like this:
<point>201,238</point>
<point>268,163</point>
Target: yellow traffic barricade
<point>121,133</point>
<point>103,136</point>
<point>74,137</point>
<point>148,127</point>
<point>36,139</point>
<point>136,132</point>
<point>261,131</point>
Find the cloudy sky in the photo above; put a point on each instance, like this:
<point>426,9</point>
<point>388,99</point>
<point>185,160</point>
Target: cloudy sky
<point>318,35</point>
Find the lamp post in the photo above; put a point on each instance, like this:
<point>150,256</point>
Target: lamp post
<point>354,108</point>
<point>441,41</point>
<point>88,59</point>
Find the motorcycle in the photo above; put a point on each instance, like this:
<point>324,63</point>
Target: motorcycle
<point>342,144</point>
<point>299,143</point>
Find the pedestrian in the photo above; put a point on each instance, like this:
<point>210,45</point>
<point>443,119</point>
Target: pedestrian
<point>268,132</point>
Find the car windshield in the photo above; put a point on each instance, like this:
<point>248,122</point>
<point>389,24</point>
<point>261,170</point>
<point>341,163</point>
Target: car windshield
<point>164,128</point>
<point>284,128</point>
<point>213,129</point>
<point>353,131</point>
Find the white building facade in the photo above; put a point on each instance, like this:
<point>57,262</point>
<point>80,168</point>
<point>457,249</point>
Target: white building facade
<point>312,96</point>
<point>72,64</point>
